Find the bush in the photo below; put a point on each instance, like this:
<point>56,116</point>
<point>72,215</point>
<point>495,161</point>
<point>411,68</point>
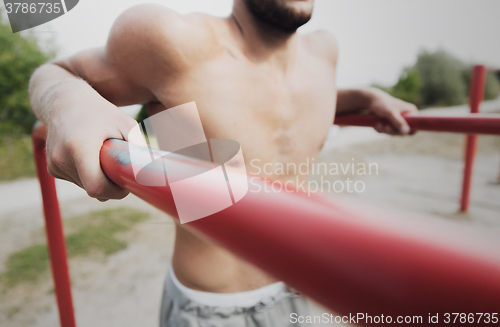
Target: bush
<point>492,88</point>
<point>440,79</point>
<point>408,87</point>
<point>19,57</point>
<point>16,157</point>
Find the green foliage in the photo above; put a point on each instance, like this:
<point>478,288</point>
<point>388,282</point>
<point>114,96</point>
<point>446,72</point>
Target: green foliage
<point>19,57</point>
<point>96,231</point>
<point>408,87</point>
<point>440,79</point>
<point>16,155</point>
<point>492,87</point>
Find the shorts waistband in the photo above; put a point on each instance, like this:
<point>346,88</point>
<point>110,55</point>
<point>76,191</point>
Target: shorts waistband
<point>240,299</point>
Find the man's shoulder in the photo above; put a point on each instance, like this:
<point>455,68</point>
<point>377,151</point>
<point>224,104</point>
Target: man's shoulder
<point>157,31</point>
<point>323,44</point>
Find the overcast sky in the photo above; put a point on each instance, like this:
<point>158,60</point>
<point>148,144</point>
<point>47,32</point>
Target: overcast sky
<point>377,38</point>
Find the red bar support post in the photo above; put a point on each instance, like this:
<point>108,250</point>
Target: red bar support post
<point>54,230</point>
<point>478,81</point>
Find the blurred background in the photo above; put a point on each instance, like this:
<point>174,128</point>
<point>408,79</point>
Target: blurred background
<point>419,51</point>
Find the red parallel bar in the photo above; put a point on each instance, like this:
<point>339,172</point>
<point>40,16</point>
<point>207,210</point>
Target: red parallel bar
<point>349,257</point>
<point>468,123</point>
<point>54,230</point>
<point>475,98</point>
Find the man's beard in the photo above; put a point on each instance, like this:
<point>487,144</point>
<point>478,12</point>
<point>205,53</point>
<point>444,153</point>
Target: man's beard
<point>276,14</point>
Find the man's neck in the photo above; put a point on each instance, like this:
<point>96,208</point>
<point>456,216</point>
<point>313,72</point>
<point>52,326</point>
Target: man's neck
<point>262,42</point>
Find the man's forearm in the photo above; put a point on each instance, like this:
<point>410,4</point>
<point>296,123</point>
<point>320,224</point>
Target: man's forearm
<point>78,121</point>
<point>379,103</point>
<point>52,88</point>
<point>352,100</point>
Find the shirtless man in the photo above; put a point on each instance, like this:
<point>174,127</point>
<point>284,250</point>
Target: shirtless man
<point>254,80</point>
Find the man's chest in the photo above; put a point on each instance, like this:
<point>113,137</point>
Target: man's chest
<point>251,104</point>
<point>234,98</point>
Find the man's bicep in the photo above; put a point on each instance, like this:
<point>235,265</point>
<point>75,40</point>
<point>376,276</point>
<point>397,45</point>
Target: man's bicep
<point>147,45</point>
<point>95,68</point>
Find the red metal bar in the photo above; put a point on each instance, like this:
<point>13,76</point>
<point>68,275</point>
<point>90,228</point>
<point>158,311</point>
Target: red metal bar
<point>469,124</point>
<point>54,230</point>
<point>478,82</point>
<point>348,257</point>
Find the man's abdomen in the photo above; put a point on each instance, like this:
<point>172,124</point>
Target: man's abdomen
<point>203,266</point>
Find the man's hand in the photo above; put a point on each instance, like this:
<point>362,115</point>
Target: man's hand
<point>391,109</point>
<point>74,142</point>
<point>380,104</point>
<point>78,121</point>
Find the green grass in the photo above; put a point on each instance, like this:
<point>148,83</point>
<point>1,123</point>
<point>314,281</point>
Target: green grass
<point>26,265</point>
<point>96,231</point>
<point>16,157</point>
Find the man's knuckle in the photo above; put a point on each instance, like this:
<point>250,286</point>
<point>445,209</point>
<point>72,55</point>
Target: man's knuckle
<point>412,107</point>
<point>121,194</point>
<point>56,159</point>
<point>96,190</point>
<point>395,113</point>
<point>52,172</point>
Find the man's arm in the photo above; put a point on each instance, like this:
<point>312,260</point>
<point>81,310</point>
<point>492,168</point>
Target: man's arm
<point>77,98</point>
<point>376,101</point>
<point>379,103</point>
<point>78,120</point>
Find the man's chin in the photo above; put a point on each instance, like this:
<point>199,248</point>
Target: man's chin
<point>283,16</point>
<point>293,26</point>
<point>290,25</point>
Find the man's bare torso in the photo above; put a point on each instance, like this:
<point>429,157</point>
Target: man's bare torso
<point>269,89</point>
<point>277,114</point>
<point>253,78</point>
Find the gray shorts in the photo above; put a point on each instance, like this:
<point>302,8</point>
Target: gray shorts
<point>179,311</point>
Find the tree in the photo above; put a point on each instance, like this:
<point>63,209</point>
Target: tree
<point>19,57</point>
<point>408,87</point>
<point>442,79</point>
<point>492,88</point>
